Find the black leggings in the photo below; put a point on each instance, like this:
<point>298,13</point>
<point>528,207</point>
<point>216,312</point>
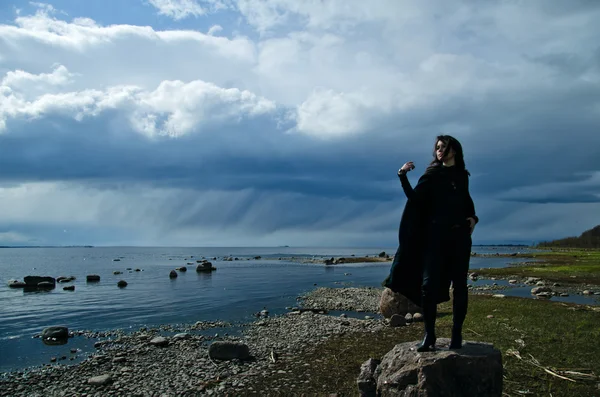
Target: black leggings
<point>447,258</point>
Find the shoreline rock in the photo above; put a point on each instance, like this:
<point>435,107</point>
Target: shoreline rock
<point>474,370</point>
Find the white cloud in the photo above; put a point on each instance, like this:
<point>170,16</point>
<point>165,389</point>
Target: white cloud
<point>187,106</point>
<point>339,83</point>
<point>265,15</point>
<point>27,82</point>
<point>77,105</point>
<point>326,114</point>
<point>44,7</point>
<point>84,34</point>
<point>214,29</point>
<point>174,108</point>
<point>178,9</point>
<point>181,9</point>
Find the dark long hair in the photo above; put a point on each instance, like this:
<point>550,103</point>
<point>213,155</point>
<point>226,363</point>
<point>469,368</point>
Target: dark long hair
<point>451,143</point>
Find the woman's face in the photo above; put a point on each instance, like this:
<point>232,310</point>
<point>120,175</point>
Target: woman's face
<point>440,147</point>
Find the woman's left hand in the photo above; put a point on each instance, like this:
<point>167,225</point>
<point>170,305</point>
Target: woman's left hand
<point>471,224</point>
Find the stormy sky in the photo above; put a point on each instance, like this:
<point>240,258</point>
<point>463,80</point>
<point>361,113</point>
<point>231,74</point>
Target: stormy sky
<point>276,122</point>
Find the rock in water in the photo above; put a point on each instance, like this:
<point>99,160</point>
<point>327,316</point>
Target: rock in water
<point>33,282</point>
<point>224,350</point>
<point>394,303</point>
<point>55,332</point>
<point>122,284</point>
<point>474,370</point>
<point>205,267</point>
<point>16,284</point>
<point>92,278</point>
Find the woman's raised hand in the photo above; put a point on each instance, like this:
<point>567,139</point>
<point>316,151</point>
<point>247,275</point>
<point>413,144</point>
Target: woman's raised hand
<point>406,167</point>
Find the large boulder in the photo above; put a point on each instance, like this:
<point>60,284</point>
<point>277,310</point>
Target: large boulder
<point>474,370</point>
<point>394,303</point>
<point>33,282</point>
<point>205,266</point>
<point>55,333</point>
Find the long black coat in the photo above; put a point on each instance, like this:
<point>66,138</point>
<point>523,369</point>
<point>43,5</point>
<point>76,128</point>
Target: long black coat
<point>406,273</point>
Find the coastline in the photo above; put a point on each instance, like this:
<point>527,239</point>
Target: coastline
<point>134,366</point>
<point>287,348</point>
<point>305,352</point>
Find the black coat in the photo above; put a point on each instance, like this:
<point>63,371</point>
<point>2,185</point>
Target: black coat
<point>406,273</point>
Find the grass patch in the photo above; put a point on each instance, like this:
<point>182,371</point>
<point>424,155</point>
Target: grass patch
<point>558,265</point>
<point>559,336</point>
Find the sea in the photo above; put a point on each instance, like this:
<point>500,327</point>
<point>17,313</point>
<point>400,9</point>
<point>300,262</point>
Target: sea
<point>258,278</point>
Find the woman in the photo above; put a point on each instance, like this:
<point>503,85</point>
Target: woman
<point>435,239</point>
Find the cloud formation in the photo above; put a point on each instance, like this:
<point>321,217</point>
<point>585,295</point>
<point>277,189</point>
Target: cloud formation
<point>222,122</point>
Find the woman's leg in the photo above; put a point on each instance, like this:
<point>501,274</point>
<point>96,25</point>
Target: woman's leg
<point>431,280</point>
<point>459,269</point>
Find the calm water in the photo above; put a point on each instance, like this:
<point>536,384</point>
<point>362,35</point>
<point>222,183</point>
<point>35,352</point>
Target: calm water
<point>233,293</point>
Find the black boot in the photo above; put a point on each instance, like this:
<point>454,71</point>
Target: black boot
<point>456,341</point>
<point>428,343</point>
<point>459,312</point>
<point>429,314</point>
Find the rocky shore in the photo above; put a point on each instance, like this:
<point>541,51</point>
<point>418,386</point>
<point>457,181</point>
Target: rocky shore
<point>177,360</point>
<point>539,287</point>
<point>169,361</point>
<point>349,299</point>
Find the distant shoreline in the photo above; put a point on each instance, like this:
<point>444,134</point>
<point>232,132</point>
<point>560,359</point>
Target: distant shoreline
<point>47,246</point>
<point>158,246</point>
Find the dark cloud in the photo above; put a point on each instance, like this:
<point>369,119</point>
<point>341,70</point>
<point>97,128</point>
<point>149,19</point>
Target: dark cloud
<point>527,118</point>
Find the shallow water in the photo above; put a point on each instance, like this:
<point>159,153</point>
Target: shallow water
<point>233,293</point>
